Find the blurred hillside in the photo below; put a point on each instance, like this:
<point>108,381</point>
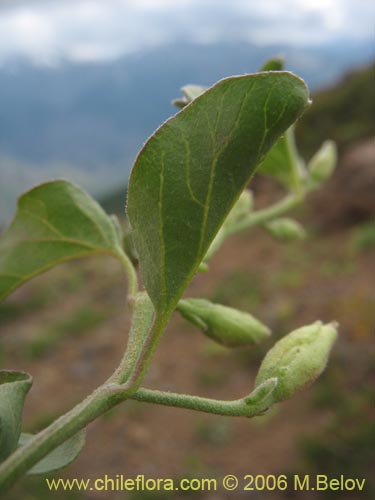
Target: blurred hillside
<point>344,113</point>
<point>86,122</point>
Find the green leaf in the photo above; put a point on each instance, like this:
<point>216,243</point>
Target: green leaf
<point>14,387</point>
<point>60,457</point>
<point>274,64</point>
<point>193,169</point>
<point>283,163</point>
<point>323,163</point>
<point>55,221</point>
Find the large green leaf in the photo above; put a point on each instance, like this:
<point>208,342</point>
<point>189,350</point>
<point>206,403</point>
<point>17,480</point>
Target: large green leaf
<point>13,389</point>
<point>193,169</point>
<point>55,221</point>
<point>60,457</point>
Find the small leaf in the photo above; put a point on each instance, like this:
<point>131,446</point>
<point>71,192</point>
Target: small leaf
<point>190,92</point>
<point>117,227</point>
<point>55,221</point>
<point>274,64</point>
<point>323,163</point>
<point>128,243</point>
<point>283,163</point>
<point>60,457</point>
<point>261,396</point>
<point>193,169</point>
<point>14,387</point>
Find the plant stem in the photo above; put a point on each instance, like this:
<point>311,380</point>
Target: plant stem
<point>264,215</point>
<point>101,400</point>
<point>254,404</point>
<point>150,343</point>
<point>130,273</point>
<point>142,319</point>
<point>230,408</point>
<point>108,395</point>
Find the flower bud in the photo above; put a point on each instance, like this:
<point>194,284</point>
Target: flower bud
<point>323,163</point>
<point>226,325</point>
<point>190,92</point>
<point>297,359</point>
<point>285,229</point>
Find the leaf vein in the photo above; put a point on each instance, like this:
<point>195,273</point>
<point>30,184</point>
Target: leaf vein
<point>188,169</point>
<point>216,158</point>
<point>42,220</point>
<point>163,284</point>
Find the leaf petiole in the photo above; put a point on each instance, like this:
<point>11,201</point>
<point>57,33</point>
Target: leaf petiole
<point>266,214</point>
<point>130,273</point>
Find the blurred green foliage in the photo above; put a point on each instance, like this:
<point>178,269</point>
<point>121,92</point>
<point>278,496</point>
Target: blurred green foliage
<point>363,237</point>
<point>11,310</point>
<point>240,289</point>
<point>79,322</point>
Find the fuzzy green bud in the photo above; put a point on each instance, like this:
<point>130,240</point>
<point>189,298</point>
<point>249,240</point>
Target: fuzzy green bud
<point>285,229</point>
<point>190,92</point>
<point>323,163</point>
<point>297,359</point>
<point>226,325</point>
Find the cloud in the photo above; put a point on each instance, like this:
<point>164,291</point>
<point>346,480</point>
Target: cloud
<point>48,32</point>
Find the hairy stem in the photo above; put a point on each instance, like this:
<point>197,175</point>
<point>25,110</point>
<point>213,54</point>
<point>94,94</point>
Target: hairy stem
<point>254,404</point>
<point>266,214</point>
<point>101,400</point>
<point>145,354</point>
<point>142,342</point>
<point>130,273</point>
<point>142,320</point>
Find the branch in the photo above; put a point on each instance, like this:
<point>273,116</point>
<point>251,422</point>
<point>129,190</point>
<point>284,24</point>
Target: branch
<point>250,406</point>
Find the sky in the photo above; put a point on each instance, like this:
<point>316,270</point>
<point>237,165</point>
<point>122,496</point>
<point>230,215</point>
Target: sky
<point>49,32</point>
